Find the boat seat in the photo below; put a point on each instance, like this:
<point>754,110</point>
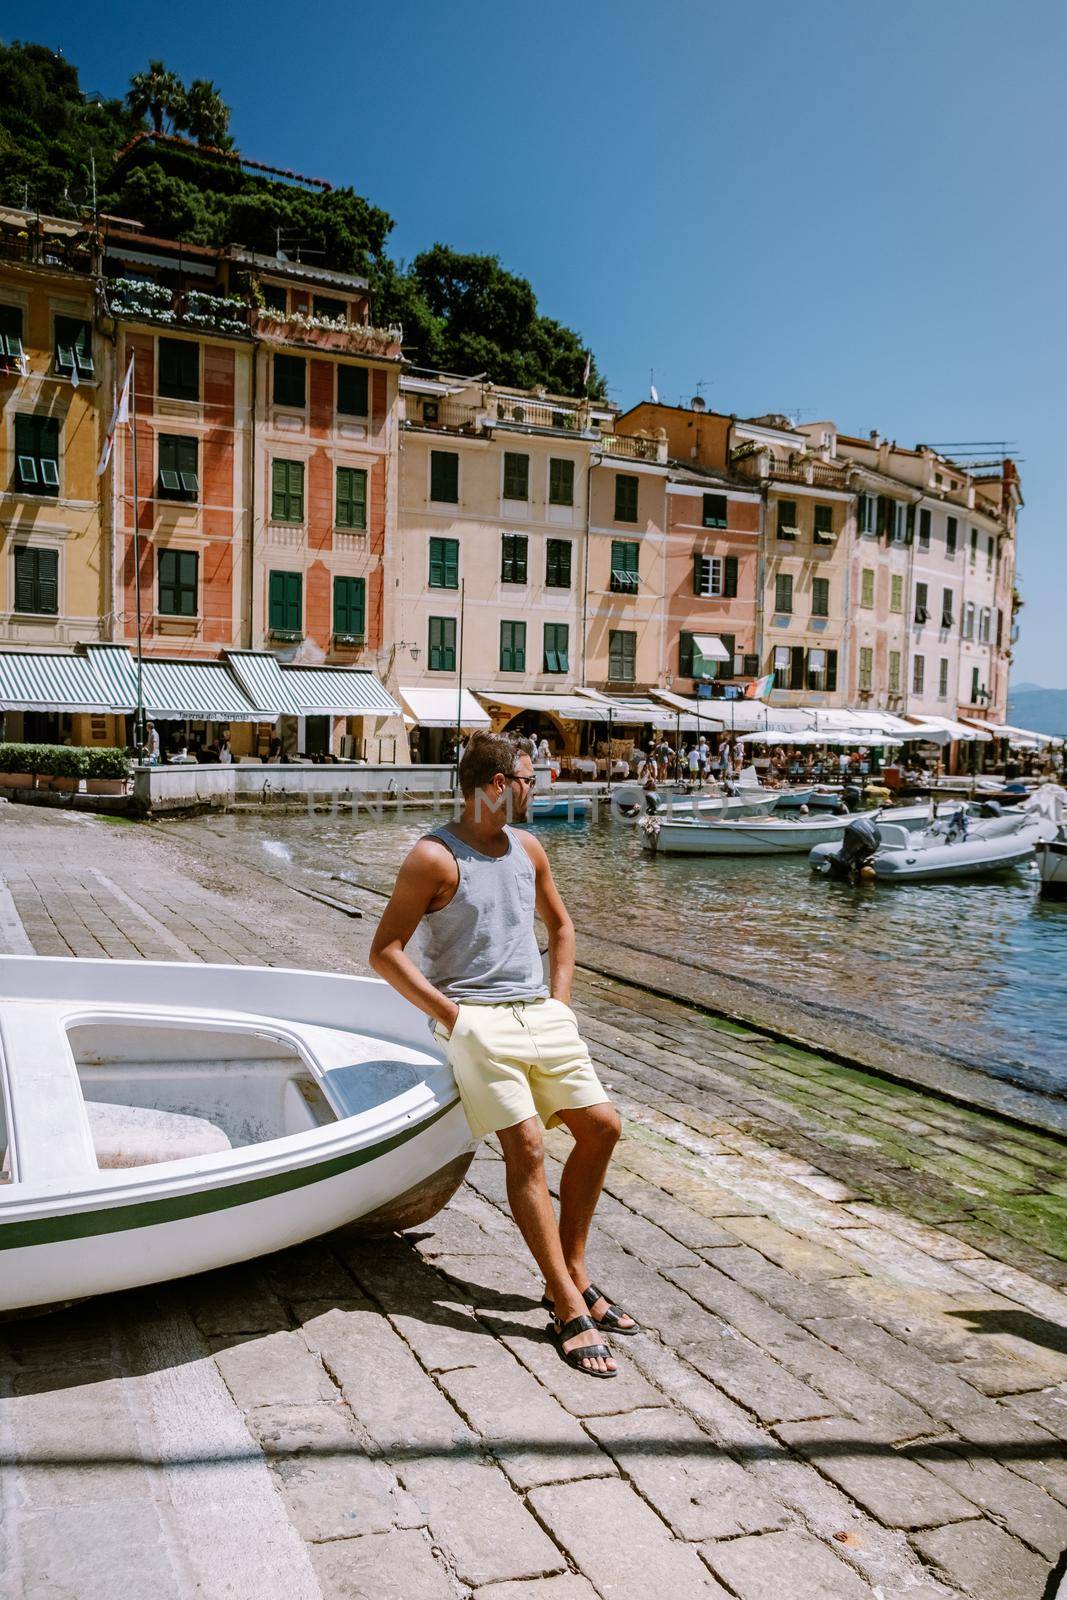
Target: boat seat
<point>139,1136</point>
<point>49,1120</point>
<point>894,837</point>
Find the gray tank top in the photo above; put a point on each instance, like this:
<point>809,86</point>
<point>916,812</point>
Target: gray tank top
<point>481,946</point>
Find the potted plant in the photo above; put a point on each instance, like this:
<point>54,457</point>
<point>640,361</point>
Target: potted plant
<point>107,771</point>
<point>18,765</point>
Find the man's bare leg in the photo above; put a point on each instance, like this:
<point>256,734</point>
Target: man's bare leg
<point>531,1206</point>
<point>596,1132</point>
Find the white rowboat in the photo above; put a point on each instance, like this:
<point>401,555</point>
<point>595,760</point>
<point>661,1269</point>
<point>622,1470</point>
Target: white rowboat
<point>159,1119</point>
<point>773,837</point>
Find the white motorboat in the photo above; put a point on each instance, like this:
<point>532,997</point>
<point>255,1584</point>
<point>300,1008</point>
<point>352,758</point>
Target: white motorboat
<point>633,802</point>
<point>1052,865</point>
<point>159,1119</point>
<point>772,836</point>
<point>957,846</point>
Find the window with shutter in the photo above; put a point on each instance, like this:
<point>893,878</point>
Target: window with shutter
<point>351,497</point>
<point>824,525</point>
<point>558,564</point>
<point>924,530</point>
<point>951,535</point>
<point>867,587</point>
<point>324,305</point>
<point>513,647</point>
<point>353,391</point>
<point>11,350</point>
<point>975,685</point>
<point>36,580</point>
<point>946,608</point>
<point>513,557</point>
<point>922,603</point>
<point>687,656</point>
<point>622,656</point>
<point>37,454</point>
<point>177,575</point>
<point>444,476</point>
<point>714,511</point>
<point>967,621</point>
<point>894,672</point>
<point>557,647</point>
<point>626,487</point>
<point>918,674</point>
<point>729,577</point>
<point>896,591</point>
<point>73,347</point>
<point>881,515</point>
<point>866,668</point>
<point>909,525</point>
<point>707,575</point>
<point>179,369</point>
<point>442,644</point>
<point>178,467</point>
<point>783,593</point>
<point>560,481</point>
<point>816,668</point>
<point>797,666</point>
<point>787,526</point>
<point>942,679</point>
<point>750,666</point>
<point>287,491</point>
<point>444,563</point>
<point>516,476</point>
<point>726,668</point>
<point>820,597</point>
<point>349,608</point>
<point>285,608</point>
<point>831,671</point>
<point>865,513</point>
<point>625,577</point>
<point>290,381</point>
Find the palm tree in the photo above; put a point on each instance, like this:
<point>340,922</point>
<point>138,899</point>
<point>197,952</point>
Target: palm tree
<point>205,114</point>
<point>157,94</point>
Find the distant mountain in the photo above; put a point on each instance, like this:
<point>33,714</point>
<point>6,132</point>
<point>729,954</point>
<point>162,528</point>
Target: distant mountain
<point>1024,688</point>
<point>1043,710</point>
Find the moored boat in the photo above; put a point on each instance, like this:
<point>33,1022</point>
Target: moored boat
<point>957,846</point>
<point>771,836</point>
<point>159,1119</point>
<point>559,808</point>
<point>1052,865</point>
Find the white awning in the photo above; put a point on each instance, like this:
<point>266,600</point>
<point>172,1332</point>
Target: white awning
<point>942,730</point>
<point>438,707</point>
<point>711,647</point>
<point>735,716</point>
<point>568,707</point>
<point>1022,738</point>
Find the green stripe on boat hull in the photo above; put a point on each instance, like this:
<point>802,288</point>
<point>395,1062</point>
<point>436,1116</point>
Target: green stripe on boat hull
<point>176,1208</point>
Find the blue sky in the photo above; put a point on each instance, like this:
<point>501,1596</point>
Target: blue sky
<point>837,210</point>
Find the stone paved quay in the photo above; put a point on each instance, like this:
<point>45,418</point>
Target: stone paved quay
<point>853,1383</point>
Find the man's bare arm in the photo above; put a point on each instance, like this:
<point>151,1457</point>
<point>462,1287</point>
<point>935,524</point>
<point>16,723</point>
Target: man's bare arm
<point>554,915</point>
<point>427,872</point>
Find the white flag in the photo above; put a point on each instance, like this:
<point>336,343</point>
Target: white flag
<point>121,414</point>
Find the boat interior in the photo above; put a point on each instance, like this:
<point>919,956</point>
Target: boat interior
<point>109,1087</point>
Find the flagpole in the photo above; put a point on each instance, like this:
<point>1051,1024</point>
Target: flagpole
<point>138,721</point>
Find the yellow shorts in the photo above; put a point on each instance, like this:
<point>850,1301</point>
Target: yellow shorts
<point>519,1060</point>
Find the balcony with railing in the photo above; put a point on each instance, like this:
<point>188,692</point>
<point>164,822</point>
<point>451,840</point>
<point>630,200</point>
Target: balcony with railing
<point>61,252</point>
<point>333,334</point>
<point>794,469</point>
<point>524,411</point>
<point>633,447</point>
<point>438,414</point>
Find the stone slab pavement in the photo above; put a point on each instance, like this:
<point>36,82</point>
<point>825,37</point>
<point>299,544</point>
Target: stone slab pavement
<point>852,1380</point>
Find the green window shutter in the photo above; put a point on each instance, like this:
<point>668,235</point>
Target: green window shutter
<point>514,549</point>
<point>25,579</point>
<point>285,602</point>
<point>10,333</point>
<point>290,380</point>
<point>909,525</point>
<point>626,487</point>
<point>444,476</point>
<point>787,519</point>
<point>556,657</point>
<point>797,666</point>
<point>831,669</point>
<point>820,597</point>
<point>351,497</point>
<point>516,476</point>
<point>444,563</point>
<point>353,394</point>
<point>279,483</point>
<point>729,644</point>
<point>179,369</point>
<point>729,577</point>
<point>783,593</point>
<point>622,656</point>
<point>714,511</point>
<point>558,564</point>
<point>698,573</point>
<point>349,606</point>
<point>867,587</point>
<point>625,576</point>
<point>177,572</point>
<point>287,491</point>
<point>451,563</point>
<point>686,654</point>
<point>442,644</point>
<point>563,646</point>
<point>924,529</point>
<point>73,347</point>
<point>951,535</point>
<point>560,481</point>
<point>37,581</point>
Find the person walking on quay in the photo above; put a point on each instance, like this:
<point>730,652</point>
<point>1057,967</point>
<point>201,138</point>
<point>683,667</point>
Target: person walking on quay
<point>511,1040</point>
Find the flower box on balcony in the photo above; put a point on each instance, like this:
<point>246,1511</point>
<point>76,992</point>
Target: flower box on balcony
<point>286,635</point>
<point>349,641</point>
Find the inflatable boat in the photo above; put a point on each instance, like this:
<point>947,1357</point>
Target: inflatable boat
<point>159,1119</point>
<point>957,847</point>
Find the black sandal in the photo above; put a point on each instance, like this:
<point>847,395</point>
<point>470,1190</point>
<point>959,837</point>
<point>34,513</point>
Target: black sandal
<point>577,1358</point>
<point>612,1318</point>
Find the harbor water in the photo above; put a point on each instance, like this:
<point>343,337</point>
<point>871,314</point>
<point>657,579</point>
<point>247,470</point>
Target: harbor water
<point>976,971</point>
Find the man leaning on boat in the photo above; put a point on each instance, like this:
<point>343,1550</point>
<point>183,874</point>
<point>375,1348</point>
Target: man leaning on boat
<point>511,1039</point>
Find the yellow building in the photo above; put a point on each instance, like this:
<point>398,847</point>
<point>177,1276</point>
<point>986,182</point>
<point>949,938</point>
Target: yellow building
<point>54,588</point>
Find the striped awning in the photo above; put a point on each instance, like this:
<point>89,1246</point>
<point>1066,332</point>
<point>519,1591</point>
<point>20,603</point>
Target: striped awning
<point>339,692</point>
<point>261,678</point>
<point>42,681</point>
<point>197,691</point>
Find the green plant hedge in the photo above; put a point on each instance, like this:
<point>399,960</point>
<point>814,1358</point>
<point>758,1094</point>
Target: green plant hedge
<point>64,761</point>
<point>106,763</point>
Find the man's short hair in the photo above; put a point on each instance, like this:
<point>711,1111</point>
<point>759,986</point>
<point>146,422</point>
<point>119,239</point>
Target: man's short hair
<point>485,756</point>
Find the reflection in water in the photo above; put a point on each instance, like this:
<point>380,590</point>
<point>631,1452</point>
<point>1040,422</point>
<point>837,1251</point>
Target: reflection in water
<point>977,969</point>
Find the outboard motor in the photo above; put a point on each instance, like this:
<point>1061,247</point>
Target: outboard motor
<point>849,801</point>
<point>859,844</point>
